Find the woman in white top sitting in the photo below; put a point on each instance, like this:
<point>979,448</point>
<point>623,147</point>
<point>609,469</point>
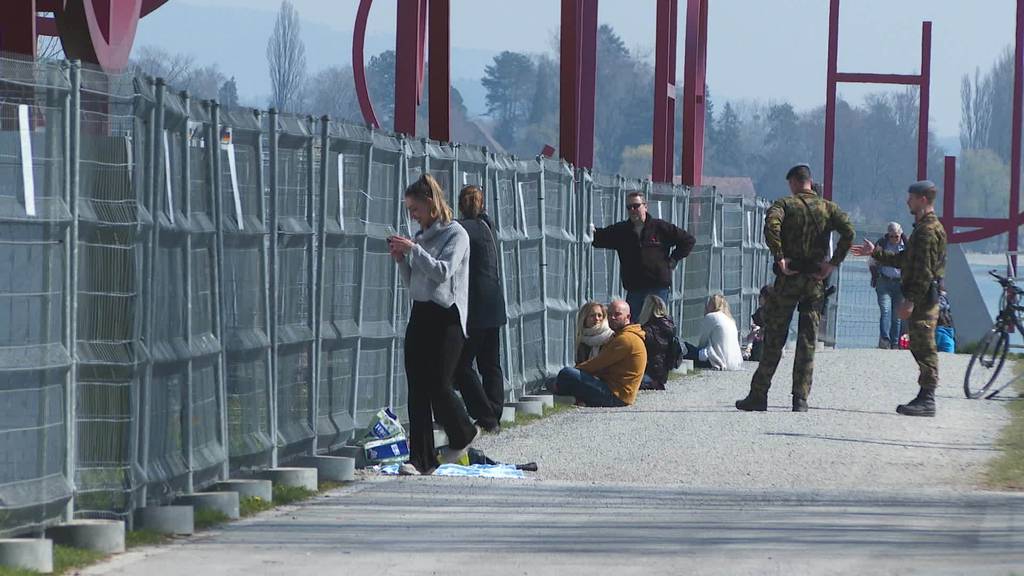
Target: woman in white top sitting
<point>719,347</point>
<point>592,331</point>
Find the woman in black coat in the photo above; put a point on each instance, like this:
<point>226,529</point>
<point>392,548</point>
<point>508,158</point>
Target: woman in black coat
<point>484,394</point>
<point>659,330</point>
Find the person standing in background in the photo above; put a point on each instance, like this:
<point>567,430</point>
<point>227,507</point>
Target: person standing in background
<point>484,394</point>
<point>649,249</point>
<point>886,282</point>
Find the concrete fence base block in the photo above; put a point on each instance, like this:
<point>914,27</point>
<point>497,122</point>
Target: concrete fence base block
<point>106,536</point>
<point>565,400</point>
<point>262,489</point>
<point>166,519</point>
<point>27,553</point>
<point>686,367</point>
<point>357,453</point>
<point>292,477</point>
<point>508,414</point>
<point>547,399</point>
<point>334,468</point>
<point>224,502</point>
<point>529,408</point>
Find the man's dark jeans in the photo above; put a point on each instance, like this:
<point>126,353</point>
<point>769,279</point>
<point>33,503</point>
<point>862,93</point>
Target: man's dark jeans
<point>587,389</point>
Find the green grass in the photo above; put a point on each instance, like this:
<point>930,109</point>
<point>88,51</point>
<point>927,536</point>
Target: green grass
<point>206,518</point>
<point>136,538</point>
<point>284,495</point>
<point>251,505</point>
<point>65,561</point>
<point>1006,471</point>
<point>328,485</point>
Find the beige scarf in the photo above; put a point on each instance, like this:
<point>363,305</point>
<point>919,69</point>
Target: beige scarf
<point>596,337</point>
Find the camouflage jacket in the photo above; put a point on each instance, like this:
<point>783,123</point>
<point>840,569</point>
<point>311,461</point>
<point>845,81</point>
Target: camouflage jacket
<point>799,226</point>
<point>924,260</point>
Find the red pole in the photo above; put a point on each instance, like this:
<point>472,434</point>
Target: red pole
<point>1015,126</point>
<point>664,91</point>
<point>440,70</point>
<point>407,54</point>
<point>949,197</point>
<point>830,99</point>
<point>694,75</point>
<point>569,82</point>
<point>925,87</point>
<point>18,28</point>
<point>588,83</point>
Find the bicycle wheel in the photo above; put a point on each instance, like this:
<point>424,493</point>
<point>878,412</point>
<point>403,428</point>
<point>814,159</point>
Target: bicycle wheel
<point>986,363</point>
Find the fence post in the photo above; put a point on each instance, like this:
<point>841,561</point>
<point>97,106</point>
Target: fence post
<point>543,260</point>
<point>272,280</point>
<point>311,278</point>
<point>189,382</point>
<point>321,259</point>
<point>72,129</point>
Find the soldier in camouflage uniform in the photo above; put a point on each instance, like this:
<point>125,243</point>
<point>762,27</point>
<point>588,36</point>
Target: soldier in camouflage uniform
<point>922,266</point>
<point>798,232</point>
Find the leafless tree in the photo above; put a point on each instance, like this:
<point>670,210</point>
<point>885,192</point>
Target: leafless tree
<point>286,56</point>
<point>332,92</point>
<point>175,69</point>
<point>975,111</point>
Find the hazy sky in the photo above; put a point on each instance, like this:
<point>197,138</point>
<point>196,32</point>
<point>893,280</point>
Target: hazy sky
<point>764,49</point>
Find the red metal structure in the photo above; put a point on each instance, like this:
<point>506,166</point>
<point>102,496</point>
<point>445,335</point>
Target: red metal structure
<point>578,64</point>
<point>664,91</point>
<point>418,20</point>
<point>98,32</point>
<point>694,79</point>
<point>922,81</point>
<point>982,228</point>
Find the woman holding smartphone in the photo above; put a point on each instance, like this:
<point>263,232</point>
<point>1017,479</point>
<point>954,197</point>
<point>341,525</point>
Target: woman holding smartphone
<point>435,269</point>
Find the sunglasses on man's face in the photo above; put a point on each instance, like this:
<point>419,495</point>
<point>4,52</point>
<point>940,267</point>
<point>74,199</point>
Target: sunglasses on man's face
<point>633,206</point>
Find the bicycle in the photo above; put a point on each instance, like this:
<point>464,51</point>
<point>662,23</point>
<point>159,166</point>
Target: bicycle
<point>988,359</point>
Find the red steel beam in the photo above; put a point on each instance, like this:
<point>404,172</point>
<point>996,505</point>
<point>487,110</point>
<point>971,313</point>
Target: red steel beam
<point>949,195</point>
<point>569,74</point>
<point>866,78</point>
<point>408,52</point>
<point>1015,126</point>
<point>18,28</point>
<point>830,98</point>
<point>440,70</point>
<point>694,77</point>
<point>588,84</point>
<point>662,164</point>
<point>46,26</point>
<point>925,100</point>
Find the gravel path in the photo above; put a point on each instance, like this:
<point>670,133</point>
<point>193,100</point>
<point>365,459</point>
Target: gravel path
<point>691,435</point>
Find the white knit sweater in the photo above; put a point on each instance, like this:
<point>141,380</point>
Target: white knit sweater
<point>436,269</point>
<point>719,335</point>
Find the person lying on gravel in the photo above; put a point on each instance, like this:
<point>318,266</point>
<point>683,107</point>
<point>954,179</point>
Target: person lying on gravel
<point>612,378</point>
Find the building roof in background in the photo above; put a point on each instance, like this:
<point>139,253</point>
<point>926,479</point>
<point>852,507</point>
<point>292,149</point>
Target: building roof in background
<point>732,186</point>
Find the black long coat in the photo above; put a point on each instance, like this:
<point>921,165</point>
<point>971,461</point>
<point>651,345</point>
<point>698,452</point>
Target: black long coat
<point>486,297</point>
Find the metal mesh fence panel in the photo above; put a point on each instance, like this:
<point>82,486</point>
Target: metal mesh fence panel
<point>245,285</point>
<point>35,257</point>
<point>186,292</point>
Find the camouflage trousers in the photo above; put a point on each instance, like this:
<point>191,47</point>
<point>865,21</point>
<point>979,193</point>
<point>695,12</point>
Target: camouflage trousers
<point>923,320</point>
<point>800,292</point>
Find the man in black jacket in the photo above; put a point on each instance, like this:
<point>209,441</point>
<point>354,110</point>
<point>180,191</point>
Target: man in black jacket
<point>649,249</point>
<point>484,399</point>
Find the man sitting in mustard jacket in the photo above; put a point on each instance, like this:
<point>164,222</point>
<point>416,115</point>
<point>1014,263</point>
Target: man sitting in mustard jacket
<point>612,378</point>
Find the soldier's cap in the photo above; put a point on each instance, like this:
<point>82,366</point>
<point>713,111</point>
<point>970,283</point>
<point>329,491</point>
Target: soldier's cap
<point>798,168</point>
<point>921,186</point>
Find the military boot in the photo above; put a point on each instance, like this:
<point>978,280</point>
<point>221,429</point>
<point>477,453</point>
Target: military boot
<point>923,405</point>
<point>799,404</point>
<point>754,402</point>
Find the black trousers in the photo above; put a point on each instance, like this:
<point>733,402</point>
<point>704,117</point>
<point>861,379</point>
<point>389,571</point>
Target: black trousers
<point>433,344</point>
<point>484,394</point>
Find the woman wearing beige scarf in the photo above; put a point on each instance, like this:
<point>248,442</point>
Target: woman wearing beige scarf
<point>592,331</point>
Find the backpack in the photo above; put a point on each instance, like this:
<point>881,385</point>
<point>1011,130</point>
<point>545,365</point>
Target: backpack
<point>675,353</point>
